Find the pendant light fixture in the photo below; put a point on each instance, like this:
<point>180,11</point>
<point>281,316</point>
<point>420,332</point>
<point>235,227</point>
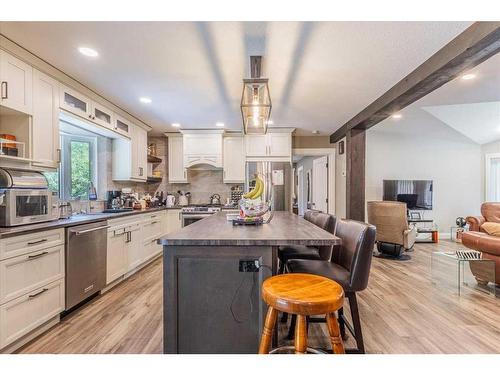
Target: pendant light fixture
<point>255,100</point>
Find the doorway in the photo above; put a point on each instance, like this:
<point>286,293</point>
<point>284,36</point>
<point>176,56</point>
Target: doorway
<point>314,180</point>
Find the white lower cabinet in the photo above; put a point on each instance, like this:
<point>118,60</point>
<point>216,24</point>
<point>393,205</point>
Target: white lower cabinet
<point>24,273</point>
<point>174,221</point>
<point>132,242</point>
<point>31,283</point>
<point>116,261</point>
<point>24,314</point>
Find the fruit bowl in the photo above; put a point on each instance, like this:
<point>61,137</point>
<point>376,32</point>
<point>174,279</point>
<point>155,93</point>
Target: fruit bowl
<point>251,208</point>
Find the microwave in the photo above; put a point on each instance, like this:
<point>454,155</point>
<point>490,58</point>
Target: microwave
<point>27,206</point>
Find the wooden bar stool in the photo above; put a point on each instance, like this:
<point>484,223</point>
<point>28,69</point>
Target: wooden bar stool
<point>303,295</point>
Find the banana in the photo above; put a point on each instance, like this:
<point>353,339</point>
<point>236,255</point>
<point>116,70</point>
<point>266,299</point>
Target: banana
<point>260,189</point>
<point>252,192</point>
<point>257,191</point>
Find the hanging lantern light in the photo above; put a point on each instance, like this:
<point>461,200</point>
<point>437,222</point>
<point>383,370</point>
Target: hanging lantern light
<point>255,100</point>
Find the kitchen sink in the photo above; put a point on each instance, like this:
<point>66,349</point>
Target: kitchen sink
<point>116,210</point>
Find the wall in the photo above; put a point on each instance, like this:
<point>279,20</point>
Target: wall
<point>340,182</point>
<point>428,150</point>
<point>311,142</point>
<point>202,183</point>
<point>488,148</point>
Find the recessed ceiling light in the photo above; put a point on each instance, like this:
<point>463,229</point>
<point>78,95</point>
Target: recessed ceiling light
<point>176,125</point>
<point>219,124</point>
<point>270,122</point>
<point>315,131</point>
<point>466,77</point>
<point>88,51</point>
<point>397,116</point>
<point>145,100</point>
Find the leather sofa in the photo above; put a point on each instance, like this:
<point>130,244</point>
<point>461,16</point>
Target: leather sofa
<point>394,235</point>
<point>477,239</point>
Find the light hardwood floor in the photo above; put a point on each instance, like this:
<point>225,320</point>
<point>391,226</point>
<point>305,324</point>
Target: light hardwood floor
<point>401,312</point>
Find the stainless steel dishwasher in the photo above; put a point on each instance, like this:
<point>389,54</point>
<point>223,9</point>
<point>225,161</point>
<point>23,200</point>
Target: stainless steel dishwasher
<point>85,261</point>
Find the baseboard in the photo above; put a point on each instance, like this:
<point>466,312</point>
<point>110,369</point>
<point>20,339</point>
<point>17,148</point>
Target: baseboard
<point>11,348</point>
<point>110,286</point>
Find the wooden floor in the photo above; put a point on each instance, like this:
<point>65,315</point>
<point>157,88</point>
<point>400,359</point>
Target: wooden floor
<point>401,312</point>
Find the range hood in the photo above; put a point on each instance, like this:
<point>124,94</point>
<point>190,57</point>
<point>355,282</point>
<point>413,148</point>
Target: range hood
<point>202,149</point>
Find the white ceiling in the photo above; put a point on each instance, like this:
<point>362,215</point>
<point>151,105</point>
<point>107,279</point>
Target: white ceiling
<point>320,74</point>
<point>470,107</point>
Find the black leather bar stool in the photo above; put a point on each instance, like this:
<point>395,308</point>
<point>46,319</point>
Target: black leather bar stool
<point>350,267</point>
<point>322,220</point>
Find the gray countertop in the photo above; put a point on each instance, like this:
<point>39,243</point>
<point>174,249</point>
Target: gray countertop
<point>79,219</point>
<point>285,229</point>
<point>72,221</point>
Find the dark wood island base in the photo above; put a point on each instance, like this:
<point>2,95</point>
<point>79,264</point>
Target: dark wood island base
<point>213,274</point>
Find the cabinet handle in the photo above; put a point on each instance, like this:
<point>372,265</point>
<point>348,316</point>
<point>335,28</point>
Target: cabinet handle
<point>58,155</point>
<point>37,294</point>
<point>5,84</point>
<point>31,257</point>
<point>37,242</point>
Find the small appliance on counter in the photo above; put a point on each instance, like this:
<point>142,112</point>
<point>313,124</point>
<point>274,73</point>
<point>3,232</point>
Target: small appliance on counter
<point>184,197</point>
<point>65,210</point>
<point>236,194</point>
<point>113,199</point>
<point>170,201</point>
<point>25,198</point>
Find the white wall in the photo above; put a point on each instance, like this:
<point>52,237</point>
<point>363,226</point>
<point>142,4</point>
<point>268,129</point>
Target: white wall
<point>427,150</point>
<point>488,148</point>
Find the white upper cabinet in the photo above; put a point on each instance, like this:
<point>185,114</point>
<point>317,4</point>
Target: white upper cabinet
<point>280,144</point>
<point>45,140</point>
<point>139,153</point>
<point>130,156</point>
<point>79,104</point>
<point>102,116</point>
<point>74,102</point>
<point>176,171</point>
<point>234,159</point>
<point>202,147</point>
<point>16,85</point>
<point>256,145</point>
<point>274,144</point>
<point>122,126</point>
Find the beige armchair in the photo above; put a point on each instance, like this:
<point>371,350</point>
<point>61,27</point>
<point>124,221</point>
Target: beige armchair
<point>394,235</point>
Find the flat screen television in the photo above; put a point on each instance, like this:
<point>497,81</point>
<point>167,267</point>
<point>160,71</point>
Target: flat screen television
<point>417,194</point>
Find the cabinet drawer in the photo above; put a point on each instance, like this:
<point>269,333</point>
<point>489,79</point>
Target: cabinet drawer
<point>22,274</point>
<point>24,314</point>
<point>152,228</point>
<point>151,249</point>
<point>14,246</point>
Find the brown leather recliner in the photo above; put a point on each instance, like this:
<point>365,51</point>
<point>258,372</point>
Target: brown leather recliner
<point>477,239</point>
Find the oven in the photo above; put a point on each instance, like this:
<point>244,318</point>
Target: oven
<point>25,198</point>
<point>190,215</point>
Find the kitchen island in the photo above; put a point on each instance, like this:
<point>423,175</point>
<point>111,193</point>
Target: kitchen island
<point>212,277</point>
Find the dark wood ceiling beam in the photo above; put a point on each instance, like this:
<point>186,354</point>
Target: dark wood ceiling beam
<point>476,44</point>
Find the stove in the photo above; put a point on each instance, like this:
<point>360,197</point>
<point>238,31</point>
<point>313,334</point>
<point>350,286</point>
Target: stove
<point>193,213</point>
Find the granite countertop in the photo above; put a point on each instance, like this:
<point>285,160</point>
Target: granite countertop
<point>72,221</point>
<point>285,229</point>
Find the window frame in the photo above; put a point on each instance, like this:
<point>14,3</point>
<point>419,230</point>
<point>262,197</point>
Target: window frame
<point>65,168</point>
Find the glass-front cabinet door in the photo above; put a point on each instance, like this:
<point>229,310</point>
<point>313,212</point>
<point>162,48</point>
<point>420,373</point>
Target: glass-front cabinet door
<point>102,116</point>
<point>122,126</point>
<point>74,102</point>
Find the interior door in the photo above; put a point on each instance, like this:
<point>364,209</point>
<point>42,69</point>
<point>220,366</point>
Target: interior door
<point>300,191</point>
<point>320,184</point>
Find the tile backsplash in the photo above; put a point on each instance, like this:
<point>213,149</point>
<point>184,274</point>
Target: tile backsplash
<point>202,183</point>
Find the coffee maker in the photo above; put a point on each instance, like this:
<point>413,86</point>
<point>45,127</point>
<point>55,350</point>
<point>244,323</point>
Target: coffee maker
<point>113,199</point>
